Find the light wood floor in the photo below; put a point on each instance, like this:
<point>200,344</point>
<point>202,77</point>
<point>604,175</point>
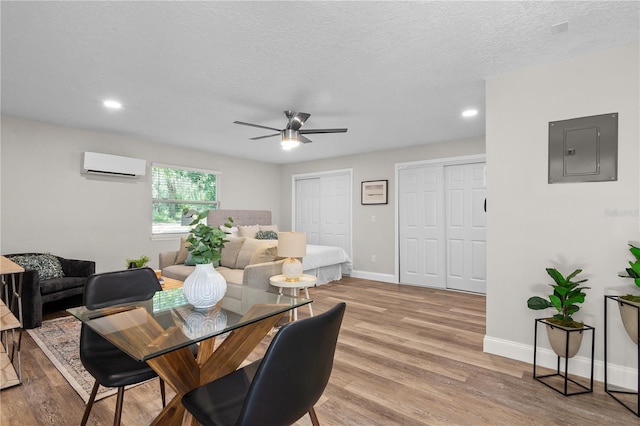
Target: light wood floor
<point>405,356</point>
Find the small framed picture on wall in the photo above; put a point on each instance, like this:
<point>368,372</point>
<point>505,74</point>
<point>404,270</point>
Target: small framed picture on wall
<point>374,192</point>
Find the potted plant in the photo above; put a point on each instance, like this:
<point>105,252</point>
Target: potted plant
<point>205,286</point>
<point>629,310</point>
<point>139,262</point>
<point>567,294</point>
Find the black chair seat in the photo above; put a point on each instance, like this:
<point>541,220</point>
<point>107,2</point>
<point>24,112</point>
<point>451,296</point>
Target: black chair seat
<point>229,393</point>
<point>282,387</point>
<point>114,368</point>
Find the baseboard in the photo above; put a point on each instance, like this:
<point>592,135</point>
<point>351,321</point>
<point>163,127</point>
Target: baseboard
<point>386,278</point>
<point>617,375</point>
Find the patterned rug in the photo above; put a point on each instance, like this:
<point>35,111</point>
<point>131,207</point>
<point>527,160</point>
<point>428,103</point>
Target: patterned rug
<point>59,338</point>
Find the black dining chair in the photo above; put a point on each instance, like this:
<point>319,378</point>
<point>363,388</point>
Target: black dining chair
<point>105,362</point>
<point>283,386</point>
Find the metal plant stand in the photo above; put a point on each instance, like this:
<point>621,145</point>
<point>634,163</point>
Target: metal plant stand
<point>607,387</point>
<point>564,374</point>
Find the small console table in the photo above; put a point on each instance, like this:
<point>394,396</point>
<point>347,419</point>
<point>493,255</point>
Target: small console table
<point>304,283</point>
<point>11,302</point>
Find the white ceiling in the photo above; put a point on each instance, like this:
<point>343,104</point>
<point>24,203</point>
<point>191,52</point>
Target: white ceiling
<point>394,73</point>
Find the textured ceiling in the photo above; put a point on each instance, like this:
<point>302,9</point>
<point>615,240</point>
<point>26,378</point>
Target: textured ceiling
<point>394,73</point>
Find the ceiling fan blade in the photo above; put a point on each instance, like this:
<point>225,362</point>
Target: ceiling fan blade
<point>304,140</point>
<point>266,136</point>
<point>309,131</point>
<point>255,125</point>
<point>298,120</point>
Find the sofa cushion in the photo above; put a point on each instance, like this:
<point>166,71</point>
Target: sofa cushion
<point>249,247</point>
<point>229,252</point>
<point>182,252</point>
<point>231,276</point>
<point>177,272</point>
<point>47,265</point>
<point>55,285</point>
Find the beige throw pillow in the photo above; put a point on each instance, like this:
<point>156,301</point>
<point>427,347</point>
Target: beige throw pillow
<point>248,231</point>
<point>182,252</point>
<point>273,228</point>
<point>249,248</point>
<point>263,255</point>
<point>229,252</point>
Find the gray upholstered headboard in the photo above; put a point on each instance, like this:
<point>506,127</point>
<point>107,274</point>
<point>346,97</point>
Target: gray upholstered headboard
<point>240,217</point>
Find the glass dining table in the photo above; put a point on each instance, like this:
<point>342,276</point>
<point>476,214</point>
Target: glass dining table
<point>161,330</point>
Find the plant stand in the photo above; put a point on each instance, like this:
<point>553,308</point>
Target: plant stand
<point>607,388</point>
<point>547,379</point>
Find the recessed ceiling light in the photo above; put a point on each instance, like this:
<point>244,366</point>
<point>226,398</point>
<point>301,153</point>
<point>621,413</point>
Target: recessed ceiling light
<point>110,103</point>
<point>470,113</point>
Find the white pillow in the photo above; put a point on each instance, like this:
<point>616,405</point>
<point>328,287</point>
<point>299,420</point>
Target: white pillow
<point>231,232</point>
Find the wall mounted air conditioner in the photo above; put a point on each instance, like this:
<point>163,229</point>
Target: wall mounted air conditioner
<point>113,165</point>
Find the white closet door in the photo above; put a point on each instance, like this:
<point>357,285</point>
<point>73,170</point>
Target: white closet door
<point>422,226</point>
<point>335,215</point>
<point>323,209</point>
<point>466,227</point>
<point>308,213</point>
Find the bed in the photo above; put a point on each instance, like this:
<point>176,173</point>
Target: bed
<point>324,262</point>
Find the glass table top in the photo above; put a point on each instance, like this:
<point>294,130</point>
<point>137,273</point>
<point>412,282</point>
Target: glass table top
<point>168,322</point>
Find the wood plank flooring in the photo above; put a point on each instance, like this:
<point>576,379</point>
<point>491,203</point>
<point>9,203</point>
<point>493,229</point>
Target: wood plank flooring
<point>406,356</point>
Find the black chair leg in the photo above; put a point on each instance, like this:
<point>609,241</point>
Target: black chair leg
<point>92,398</point>
<point>119,401</point>
<point>314,417</point>
<point>163,394</point>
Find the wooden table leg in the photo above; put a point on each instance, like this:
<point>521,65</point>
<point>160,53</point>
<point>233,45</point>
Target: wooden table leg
<point>183,372</point>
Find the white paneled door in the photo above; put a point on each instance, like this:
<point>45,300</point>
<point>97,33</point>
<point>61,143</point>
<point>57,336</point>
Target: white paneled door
<point>466,227</point>
<point>442,226</point>
<point>323,209</point>
<point>422,227</point>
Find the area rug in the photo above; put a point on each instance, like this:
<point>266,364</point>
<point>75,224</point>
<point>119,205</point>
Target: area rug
<point>59,339</point>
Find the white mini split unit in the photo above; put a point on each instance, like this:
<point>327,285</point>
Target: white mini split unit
<point>113,165</point>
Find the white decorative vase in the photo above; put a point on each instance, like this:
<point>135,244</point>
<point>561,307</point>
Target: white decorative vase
<point>558,340</point>
<point>629,315</point>
<point>204,287</point>
<point>204,322</point>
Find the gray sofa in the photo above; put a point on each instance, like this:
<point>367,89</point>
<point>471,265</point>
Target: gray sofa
<point>245,261</point>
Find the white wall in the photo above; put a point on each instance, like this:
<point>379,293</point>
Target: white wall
<point>532,224</point>
<point>373,238</point>
<point>49,206</point>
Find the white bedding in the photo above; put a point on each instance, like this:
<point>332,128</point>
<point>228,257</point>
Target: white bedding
<point>326,263</point>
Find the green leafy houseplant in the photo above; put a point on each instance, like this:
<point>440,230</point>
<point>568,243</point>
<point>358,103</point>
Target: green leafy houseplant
<point>633,272</point>
<point>565,298</point>
<point>206,241</point>
<point>139,262</point>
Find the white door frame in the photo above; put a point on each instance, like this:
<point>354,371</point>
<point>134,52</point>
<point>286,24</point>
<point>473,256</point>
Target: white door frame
<point>312,175</point>
<point>449,161</point>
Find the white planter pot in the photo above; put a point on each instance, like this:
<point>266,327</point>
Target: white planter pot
<point>629,315</point>
<point>558,340</point>
<point>204,287</point>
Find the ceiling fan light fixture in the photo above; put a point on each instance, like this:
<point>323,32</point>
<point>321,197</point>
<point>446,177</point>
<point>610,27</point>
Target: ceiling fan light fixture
<point>290,139</point>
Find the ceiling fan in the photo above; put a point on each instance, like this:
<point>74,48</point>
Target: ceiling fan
<point>292,135</point>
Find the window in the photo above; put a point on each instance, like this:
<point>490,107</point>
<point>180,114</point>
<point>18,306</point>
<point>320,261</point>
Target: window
<point>177,190</point>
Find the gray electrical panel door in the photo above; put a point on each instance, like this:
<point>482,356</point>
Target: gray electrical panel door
<point>584,149</point>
